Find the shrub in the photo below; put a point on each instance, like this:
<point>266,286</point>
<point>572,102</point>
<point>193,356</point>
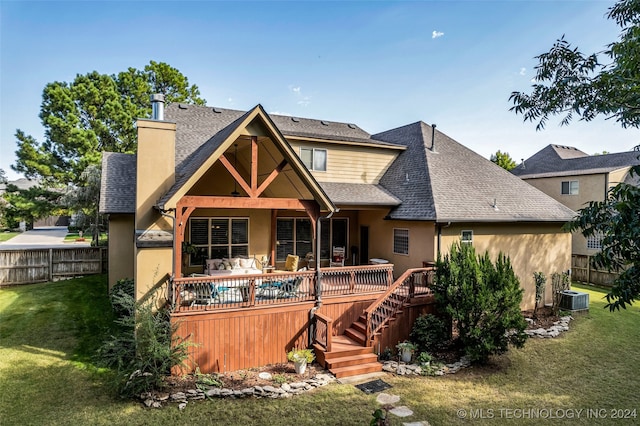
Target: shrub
<point>430,333</point>
<point>144,347</point>
<point>559,283</point>
<point>482,299</point>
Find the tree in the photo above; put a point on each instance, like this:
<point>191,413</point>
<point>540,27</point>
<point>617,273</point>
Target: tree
<point>94,113</point>
<point>3,176</point>
<point>483,300</point>
<point>571,83</point>
<point>503,159</point>
<point>29,204</point>
<point>617,222</point>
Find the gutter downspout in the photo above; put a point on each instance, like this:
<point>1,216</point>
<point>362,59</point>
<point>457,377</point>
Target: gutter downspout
<point>312,312</point>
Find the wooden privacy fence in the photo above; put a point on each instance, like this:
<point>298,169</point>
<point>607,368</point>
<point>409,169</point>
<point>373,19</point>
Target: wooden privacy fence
<point>41,265</point>
<point>583,271</point>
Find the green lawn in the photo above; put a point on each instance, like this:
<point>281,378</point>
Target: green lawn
<point>73,236</point>
<point>5,236</point>
<point>48,333</point>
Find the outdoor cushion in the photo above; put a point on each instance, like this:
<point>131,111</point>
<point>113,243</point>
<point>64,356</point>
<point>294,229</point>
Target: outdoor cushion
<point>292,263</point>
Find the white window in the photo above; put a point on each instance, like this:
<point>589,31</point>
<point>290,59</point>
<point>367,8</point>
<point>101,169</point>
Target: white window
<point>466,237</point>
<point>218,237</point>
<point>570,187</point>
<point>594,242</point>
<point>401,241</point>
<point>314,158</point>
<point>294,236</point>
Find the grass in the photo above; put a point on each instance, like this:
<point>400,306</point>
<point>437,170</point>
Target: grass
<point>48,333</point>
<point>7,235</point>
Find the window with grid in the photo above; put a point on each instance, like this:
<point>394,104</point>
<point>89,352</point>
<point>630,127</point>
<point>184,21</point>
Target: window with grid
<point>570,187</point>
<point>217,238</point>
<point>294,236</point>
<point>466,237</point>
<point>401,241</point>
<point>594,242</point>
<point>314,158</point>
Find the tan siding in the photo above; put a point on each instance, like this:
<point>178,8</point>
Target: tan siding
<point>421,240</point>
<point>531,248</point>
<point>121,247</point>
<point>351,164</point>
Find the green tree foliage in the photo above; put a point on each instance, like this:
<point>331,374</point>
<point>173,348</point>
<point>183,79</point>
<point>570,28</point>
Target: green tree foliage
<point>94,113</point>
<point>29,204</point>
<point>3,176</point>
<point>570,83</point>
<point>483,300</point>
<point>84,199</point>
<point>504,160</point>
<point>430,333</point>
<point>617,221</point>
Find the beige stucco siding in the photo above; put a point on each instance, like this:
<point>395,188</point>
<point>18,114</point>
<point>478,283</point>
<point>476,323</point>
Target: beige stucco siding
<point>153,270</point>
<point>351,164</point>
<point>121,247</point>
<point>530,247</point>
<point>618,176</point>
<point>421,238</point>
<point>155,171</point>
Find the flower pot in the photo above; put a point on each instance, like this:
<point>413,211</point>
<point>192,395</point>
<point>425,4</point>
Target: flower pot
<point>300,366</point>
<point>405,355</point>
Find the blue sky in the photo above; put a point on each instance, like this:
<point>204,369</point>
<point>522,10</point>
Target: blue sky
<point>379,64</point>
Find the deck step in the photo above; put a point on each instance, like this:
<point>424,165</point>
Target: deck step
<point>354,370</point>
<point>355,335</point>
<point>358,326</point>
<point>346,361</point>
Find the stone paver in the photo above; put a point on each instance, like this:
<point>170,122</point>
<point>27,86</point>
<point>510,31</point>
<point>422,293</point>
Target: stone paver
<point>386,399</point>
<point>402,411</point>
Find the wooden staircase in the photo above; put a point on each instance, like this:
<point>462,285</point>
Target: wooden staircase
<point>351,354</point>
<point>348,358</point>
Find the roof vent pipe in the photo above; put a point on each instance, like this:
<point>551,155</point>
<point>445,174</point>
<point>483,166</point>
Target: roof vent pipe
<point>157,106</point>
<point>523,165</point>
<point>433,138</point>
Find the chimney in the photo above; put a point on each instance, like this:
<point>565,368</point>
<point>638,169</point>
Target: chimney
<point>433,138</point>
<point>157,106</point>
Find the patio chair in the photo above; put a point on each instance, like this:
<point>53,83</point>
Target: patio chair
<point>337,257</point>
<point>207,294</point>
<point>290,288</point>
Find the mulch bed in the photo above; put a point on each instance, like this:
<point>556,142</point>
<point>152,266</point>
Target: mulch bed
<point>544,318</point>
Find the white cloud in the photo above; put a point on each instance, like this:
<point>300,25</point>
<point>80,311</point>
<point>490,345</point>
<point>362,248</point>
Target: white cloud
<point>295,90</point>
<point>281,113</point>
<point>523,71</point>
<point>436,34</point>
<point>305,101</point>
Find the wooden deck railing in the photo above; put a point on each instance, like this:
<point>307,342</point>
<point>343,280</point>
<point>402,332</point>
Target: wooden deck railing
<point>413,282</point>
<point>207,293</point>
<point>323,331</point>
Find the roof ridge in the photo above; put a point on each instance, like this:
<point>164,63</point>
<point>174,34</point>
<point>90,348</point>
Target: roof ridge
<point>426,161</point>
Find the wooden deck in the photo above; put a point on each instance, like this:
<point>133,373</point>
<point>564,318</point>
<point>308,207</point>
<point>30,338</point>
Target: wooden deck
<point>254,331</point>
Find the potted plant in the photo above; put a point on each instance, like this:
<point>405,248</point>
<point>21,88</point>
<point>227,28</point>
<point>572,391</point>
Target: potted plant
<point>405,350</point>
<point>300,358</point>
<point>187,250</point>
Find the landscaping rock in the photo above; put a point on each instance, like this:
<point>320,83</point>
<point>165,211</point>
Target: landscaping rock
<point>285,387</point>
<point>402,411</point>
<point>265,375</point>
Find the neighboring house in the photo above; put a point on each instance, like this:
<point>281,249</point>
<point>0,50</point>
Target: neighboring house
<point>575,178</point>
<point>23,184</point>
<point>240,184</point>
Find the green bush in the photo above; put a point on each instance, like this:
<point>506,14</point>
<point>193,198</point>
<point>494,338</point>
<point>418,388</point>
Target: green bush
<point>430,333</point>
<point>144,347</point>
<point>482,299</point>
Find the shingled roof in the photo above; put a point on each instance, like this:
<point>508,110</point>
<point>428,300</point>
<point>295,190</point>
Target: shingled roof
<point>450,183</point>
<point>559,160</point>
<point>197,124</point>
<point>359,194</point>
<point>118,184</point>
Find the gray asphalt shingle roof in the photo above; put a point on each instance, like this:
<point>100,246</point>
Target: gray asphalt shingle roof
<point>118,184</point>
<point>559,160</point>
<point>359,194</point>
<point>454,184</point>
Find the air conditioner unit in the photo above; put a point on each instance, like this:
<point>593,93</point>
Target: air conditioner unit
<point>574,300</point>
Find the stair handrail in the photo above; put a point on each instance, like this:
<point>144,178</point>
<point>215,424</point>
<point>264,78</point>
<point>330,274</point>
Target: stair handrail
<point>329,324</point>
<point>407,275</point>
